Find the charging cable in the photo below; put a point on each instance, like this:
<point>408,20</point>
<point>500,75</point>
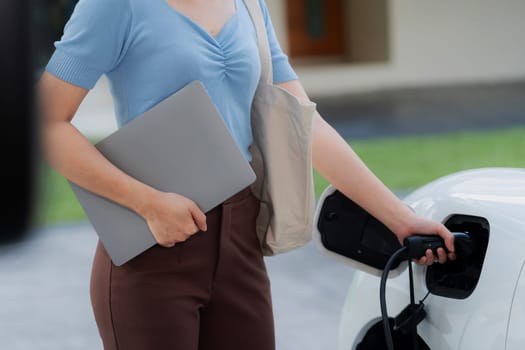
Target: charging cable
<point>382,295</point>
<point>415,247</point>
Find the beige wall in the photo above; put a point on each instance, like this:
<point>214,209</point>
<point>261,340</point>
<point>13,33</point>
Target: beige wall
<point>277,10</point>
<point>432,42</point>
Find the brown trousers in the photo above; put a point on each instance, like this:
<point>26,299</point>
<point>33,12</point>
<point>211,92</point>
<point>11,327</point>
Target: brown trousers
<point>210,292</point>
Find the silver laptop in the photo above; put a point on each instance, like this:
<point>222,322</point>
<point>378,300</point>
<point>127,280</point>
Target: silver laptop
<point>181,145</point>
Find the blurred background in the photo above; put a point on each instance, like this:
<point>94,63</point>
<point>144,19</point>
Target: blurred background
<point>419,88</point>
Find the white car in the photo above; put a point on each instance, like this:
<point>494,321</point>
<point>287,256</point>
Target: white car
<point>476,302</point>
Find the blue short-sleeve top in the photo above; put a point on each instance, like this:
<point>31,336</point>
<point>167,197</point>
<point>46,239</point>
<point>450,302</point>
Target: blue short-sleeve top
<point>149,50</point>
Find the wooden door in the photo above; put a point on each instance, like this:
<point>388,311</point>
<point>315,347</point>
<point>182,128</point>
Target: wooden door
<point>315,28</point>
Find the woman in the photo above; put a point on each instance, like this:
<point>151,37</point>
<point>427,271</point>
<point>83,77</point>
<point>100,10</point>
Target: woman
<point>204,286</point>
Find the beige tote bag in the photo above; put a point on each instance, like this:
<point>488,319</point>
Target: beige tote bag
<point>282,156</point>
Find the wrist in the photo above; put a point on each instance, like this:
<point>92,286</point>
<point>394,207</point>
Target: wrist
<point>402,223</point>
<point>142,200</point>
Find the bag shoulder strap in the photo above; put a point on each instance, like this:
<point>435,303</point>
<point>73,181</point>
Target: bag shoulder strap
<point>254,9</point>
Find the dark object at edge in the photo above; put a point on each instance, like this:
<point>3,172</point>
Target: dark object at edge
<point>17,139</point>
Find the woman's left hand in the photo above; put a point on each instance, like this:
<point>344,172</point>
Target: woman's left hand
<point>420,225</point>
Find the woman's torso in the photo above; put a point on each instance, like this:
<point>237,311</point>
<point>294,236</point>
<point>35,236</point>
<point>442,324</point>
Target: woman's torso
<point>165,50</point>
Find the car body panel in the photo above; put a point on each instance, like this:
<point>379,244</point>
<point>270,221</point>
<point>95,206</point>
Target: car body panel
<point>516,333</point>
<point>495,309</point>
<point>497,195</point>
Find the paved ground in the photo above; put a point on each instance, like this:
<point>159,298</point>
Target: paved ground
<point>45,297</point>
<point>44,302</point>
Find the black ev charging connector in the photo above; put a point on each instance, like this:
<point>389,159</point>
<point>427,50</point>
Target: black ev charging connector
<point>414,247</point>
<point>417,245</point>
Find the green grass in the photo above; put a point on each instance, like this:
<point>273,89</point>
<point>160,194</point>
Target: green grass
<point>402,163</point>
<point>56,202</point>
<point>406,163</point>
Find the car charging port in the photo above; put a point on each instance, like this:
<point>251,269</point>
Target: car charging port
<point>458,279</point>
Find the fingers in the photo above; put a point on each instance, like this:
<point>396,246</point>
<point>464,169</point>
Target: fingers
<point>174,219</point>
<point>198,217</point>
<point>422,261</point>
<point>442,256</point>
<point>429,258</point>
<point>169,241</point>
<point>170,236</point>
<point>166,243</point>
<point>430,227</point>
<point>447,237</point>
<point>449,243</point>
<point>195,222</point>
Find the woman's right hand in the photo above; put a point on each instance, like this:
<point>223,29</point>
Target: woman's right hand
<point>172,218</point>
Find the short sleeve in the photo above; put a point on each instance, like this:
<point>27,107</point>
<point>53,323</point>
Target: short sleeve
<point>93,42</point>
<point>282,70</point>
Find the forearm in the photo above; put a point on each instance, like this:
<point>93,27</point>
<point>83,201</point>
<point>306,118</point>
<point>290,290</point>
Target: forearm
<point>171,218</point>
<point>335,160</point>
<point>74,157</point>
